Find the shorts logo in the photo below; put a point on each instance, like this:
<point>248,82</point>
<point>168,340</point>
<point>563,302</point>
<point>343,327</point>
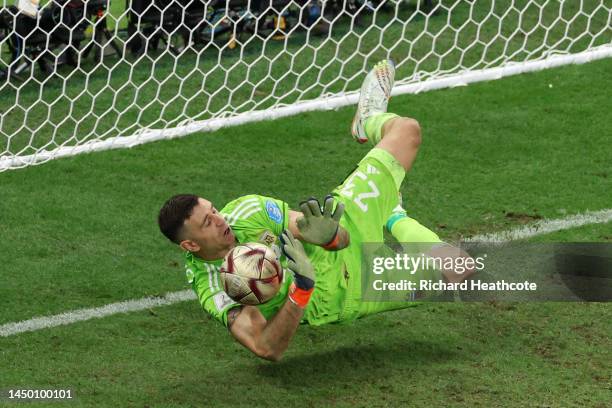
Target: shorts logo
<point>274,212</point>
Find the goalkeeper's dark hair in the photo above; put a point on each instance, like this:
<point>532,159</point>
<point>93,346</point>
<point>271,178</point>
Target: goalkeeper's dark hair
<point>173,214</point>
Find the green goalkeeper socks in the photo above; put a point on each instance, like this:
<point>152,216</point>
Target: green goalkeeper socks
<point>374,125</point>
<point>406,229</point>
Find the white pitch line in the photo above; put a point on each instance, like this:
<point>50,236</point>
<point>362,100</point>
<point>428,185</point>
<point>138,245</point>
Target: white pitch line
<point>38,323</point>
<point>74,316</point>
<point>546,226</point>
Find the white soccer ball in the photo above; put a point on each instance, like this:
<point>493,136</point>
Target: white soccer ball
<point>251,273</point>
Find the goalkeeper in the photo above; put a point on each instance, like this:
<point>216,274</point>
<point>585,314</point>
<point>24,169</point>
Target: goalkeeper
<point>322,245</point>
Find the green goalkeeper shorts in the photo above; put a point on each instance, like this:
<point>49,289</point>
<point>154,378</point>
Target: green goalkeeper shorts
<point>369,193</point>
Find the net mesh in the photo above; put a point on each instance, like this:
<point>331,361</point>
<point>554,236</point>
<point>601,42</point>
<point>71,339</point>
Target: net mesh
<point>79,75</point>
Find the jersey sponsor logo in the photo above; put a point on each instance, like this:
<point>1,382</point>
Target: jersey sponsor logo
<point>274,212</point>
<point>267,238</point>
<point>222,300</point>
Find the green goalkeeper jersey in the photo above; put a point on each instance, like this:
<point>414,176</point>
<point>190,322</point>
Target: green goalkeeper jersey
<point>369,194</point>
<point>255,218</point>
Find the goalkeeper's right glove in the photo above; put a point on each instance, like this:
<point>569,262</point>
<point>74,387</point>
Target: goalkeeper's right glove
<point>320,226</point>
<point>303,272</point>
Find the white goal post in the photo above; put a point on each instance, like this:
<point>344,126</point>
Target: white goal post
<point>79,76</point>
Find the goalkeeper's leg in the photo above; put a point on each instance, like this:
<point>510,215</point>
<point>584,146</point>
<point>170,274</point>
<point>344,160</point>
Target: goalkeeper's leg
<point>400,136</point>
<point>409,231</point>
<point>406,229</point>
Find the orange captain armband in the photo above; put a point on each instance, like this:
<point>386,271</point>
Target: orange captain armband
<point>333,244</point>
<point>299,297</point>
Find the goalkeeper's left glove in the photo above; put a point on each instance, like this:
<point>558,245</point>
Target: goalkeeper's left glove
<point>303,271</point>
<point>320,227</point>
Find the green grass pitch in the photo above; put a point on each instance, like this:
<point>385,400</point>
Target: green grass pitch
<point>81,232</point>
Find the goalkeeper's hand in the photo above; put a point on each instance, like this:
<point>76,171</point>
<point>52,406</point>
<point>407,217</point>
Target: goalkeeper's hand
<point>298,262</point>
<point>320,227</point>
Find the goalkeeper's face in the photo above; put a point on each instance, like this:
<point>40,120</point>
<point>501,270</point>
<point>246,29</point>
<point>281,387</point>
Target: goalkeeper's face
<point>206,233</point>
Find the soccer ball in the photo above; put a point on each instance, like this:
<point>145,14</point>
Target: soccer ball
<point>251,274</point>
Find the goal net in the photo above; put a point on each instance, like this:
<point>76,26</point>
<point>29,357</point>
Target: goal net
<point>79,76</point>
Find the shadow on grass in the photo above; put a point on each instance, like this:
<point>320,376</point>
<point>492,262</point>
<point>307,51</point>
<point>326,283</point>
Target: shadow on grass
<point>351,363</point>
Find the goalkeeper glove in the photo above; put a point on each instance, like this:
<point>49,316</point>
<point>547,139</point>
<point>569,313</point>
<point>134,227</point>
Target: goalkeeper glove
<point>320,227</point>
<point>303,272</point>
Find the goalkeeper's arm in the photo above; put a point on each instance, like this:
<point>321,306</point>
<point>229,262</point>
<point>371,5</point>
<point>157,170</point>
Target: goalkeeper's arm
<point>266,338</point>
<point>320,226</point>
<point>270,338</point>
